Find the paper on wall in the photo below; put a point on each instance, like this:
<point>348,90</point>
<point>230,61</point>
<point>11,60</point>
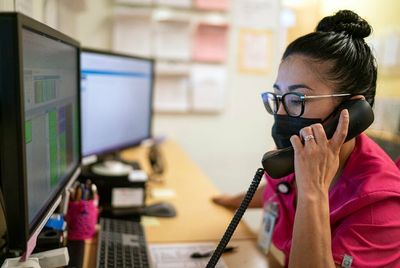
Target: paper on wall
<point>171,87</point>
<point>210,42</point>
<point>208,87</point>
<point>220,5</point>
<point>137,2</point>
<point>259,14</point>
<point>171,93</point>
<point>172,39</point>
<point>254,51</point>
<point>175,3</point>
<point>132,31</point>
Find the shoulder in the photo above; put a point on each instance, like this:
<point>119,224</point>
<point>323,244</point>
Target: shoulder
<point>362,206</point>
<point>369,176</point>
<point>371,167</point>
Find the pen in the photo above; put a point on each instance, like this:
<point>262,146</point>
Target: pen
<point>83,191</point>
<point>78,194</point>
<point>196,255</point>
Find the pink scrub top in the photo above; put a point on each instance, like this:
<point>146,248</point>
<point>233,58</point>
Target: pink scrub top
<point>364,209</point>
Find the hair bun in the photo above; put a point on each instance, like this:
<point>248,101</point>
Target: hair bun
<point>347,22</point>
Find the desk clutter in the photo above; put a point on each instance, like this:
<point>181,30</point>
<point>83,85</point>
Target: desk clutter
<point>82,213</point>
<point>118,193</point>
<point>94,195</point>
<point>53,235</point>
<point>182,255</point>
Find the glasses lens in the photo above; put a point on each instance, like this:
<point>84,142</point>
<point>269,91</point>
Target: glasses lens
<point>293,104</point>
<point>270,102</point>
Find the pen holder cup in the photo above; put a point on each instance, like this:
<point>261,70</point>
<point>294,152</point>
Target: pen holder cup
<point>82,219</point>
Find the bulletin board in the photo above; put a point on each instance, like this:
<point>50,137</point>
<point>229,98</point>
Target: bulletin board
<point>188,40</point>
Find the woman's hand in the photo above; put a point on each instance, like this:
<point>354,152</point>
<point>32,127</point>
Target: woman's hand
<point>234,201</point>
<point>317,161</point>
<point>228,201</point>
<point>316,164</point>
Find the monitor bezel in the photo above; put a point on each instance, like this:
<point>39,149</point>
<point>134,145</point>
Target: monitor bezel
<point>13,153</point>
<point>115,149</point>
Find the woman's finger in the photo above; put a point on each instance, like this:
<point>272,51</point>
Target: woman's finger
<point>307,135</point>
<point>296,142</point>
<point>341,130</point>
<point>319,133</point>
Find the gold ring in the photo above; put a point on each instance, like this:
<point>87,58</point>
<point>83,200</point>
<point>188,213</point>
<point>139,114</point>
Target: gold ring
<point>308,137</point>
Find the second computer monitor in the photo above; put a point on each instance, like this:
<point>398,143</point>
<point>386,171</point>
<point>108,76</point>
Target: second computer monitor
<point>116,101</point>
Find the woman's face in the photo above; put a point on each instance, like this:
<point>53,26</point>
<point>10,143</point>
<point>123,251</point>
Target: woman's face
<point>297,73</point>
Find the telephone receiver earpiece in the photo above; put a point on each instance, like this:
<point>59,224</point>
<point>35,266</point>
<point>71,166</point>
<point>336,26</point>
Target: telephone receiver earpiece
<point>280,163</point>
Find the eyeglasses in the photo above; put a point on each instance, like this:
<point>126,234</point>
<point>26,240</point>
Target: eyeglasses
<point>293,102</point>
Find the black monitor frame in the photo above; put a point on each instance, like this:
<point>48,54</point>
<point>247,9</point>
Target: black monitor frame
<point>13,173</point>
<point>106,152</point>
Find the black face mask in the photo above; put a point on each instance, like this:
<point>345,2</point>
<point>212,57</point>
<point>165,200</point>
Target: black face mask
<point>286,126</point>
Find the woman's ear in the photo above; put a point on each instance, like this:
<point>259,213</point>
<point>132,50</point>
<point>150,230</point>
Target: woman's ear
<point>357,97</point>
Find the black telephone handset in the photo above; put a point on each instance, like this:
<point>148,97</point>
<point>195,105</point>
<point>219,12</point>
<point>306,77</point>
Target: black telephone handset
<point>280,163</point>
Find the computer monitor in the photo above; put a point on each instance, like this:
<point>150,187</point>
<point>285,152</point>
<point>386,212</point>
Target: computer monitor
<point>116,103</point>
<point>40,129</point>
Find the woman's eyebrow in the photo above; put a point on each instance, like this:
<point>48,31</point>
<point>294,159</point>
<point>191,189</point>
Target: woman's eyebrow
<point>293,87</point>
<point>296,86</point>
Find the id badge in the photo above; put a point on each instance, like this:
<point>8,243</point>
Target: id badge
<point>267,226</point>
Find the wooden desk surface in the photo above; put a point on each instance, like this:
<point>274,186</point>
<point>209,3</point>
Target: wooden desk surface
<point>198,219</point>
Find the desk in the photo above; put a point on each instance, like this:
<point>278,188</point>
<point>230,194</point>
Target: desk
<point>198,219</point>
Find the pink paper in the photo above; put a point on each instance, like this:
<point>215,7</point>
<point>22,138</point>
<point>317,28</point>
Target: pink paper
<point>210,43</point>
<point>212,4</point>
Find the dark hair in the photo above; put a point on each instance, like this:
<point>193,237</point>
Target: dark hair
<point>339,39</point>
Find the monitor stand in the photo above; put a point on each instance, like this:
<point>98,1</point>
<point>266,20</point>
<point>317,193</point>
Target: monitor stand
<point>111,165</point>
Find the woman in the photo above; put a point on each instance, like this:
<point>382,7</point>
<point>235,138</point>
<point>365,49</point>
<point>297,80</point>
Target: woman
<point>343,204</point>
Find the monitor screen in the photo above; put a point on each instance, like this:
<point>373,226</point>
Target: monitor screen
<point>116,101</point>
<point>51,116</point>
<point>40,151</point>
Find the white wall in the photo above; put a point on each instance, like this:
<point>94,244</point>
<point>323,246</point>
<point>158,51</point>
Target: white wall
<point>32,8</point>
<point>90,23</point>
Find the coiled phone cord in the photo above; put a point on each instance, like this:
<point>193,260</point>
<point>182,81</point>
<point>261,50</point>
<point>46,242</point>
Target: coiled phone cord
<point>236,219</point>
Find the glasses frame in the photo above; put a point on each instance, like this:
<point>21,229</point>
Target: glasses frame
<point>303,97</point>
